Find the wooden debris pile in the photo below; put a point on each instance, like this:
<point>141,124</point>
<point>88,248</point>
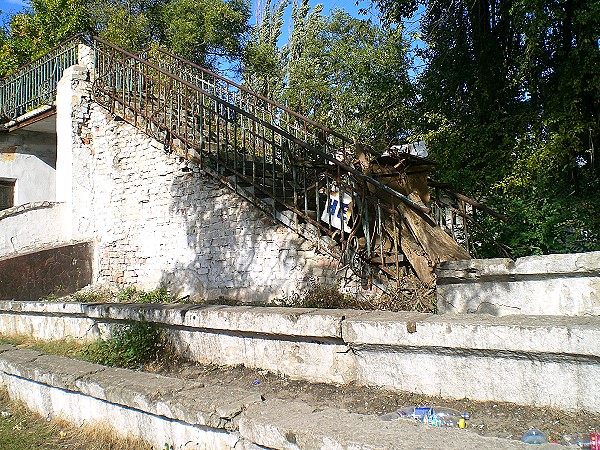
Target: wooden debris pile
<point>421,241</point>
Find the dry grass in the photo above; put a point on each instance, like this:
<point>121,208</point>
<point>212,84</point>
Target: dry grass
<point>22,429</point>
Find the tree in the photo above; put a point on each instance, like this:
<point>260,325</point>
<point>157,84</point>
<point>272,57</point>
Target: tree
<point>204,30</point>
<point>510,107</point>
<point>201,30</point>
<point>33,33</point>
<point>346,73</point>
<point>263,60</point>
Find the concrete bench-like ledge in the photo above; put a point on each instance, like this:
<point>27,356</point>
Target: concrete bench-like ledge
<point>532,360</point>
<point>540,285</point>
<point>185,414</point>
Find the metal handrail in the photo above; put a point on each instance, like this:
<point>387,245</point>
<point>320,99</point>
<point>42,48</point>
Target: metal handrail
<point>34,84</point>
<point>240,87</point>
<point>237,138</point>
<point>344,166</point>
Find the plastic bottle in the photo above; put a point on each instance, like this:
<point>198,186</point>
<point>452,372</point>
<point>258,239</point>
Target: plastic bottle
<point>534,436</point>
<point>588,441</point>
<point>436,416</point>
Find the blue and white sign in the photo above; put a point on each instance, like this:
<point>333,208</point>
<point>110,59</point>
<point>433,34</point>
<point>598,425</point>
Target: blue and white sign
<point>336,212</point>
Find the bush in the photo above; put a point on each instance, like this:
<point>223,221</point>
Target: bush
<point>132,345</point>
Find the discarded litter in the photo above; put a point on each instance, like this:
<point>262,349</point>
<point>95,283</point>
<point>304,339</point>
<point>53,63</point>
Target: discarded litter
<point>588,441</point>
<point>5,413</point>
<point>534,436</point>
<point>256,382</point>
<point>433,415</point>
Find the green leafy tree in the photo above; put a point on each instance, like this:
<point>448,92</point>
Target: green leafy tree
<point>204,30</point>
<point>347,73</point>
<point>31,34</point>
<point>510,105</point>
<point>263,60</point>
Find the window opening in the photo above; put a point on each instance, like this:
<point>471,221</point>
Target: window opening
<point>7,194</point>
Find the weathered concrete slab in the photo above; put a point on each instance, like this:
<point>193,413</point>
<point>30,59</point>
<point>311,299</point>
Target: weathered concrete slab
<point>11,361</point>
<point>53,370</point>
<point>80,409</point>
<point>300,359</point>
<point>533,334</point>
<point>174,398</point>
<point>184,414</point>
<point>48,326</point>
<point>169,314</point>
<point>284,425</point>
<point>540,360</point>
<point>269,320</point>
<point>540,285</point>
<point>42,307</point>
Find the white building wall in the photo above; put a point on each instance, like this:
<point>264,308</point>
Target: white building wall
<point>30,159</point>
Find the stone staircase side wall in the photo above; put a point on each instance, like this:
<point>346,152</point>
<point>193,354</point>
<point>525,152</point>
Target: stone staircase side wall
<point>159,221</point>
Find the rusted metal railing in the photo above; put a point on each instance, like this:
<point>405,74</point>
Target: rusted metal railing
<point>299,169</point>
<point>34,85</point>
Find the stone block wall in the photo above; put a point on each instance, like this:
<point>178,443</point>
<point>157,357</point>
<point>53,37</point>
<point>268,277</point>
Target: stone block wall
<point>157,221</point>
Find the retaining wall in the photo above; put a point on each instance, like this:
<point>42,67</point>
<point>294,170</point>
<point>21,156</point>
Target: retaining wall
<point>57,271</point>
<point>539,361</point>
<point>33,226</point>
<point>157,220</point>
<point>181,414</point>
<point>536,285</point>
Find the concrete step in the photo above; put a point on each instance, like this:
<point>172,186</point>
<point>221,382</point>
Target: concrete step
<point>185,414</point>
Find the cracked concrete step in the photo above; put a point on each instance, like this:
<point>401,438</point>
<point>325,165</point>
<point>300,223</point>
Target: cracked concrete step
<point>173,398</point>
<point>287,425</point>
<point>216,417</point>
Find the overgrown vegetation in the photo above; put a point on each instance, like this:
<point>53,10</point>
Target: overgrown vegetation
<point>127,294</point>
<point>410,295</point>
<point>131,346</point>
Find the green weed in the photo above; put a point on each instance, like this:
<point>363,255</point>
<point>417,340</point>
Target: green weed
<point>131,294</point>
<point>132,345</point>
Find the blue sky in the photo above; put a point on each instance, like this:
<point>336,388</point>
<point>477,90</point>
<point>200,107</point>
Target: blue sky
<point>11,6</point>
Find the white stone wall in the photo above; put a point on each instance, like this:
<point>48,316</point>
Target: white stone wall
<point>538,285</point>
<point>155,224</point>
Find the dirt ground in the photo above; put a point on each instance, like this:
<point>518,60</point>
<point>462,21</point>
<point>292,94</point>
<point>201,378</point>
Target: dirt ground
<point>504,420</point>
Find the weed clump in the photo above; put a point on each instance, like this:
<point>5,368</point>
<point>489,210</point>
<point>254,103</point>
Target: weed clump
<point>317,295</point>
<point>131,346</point>
<point>131,294</point>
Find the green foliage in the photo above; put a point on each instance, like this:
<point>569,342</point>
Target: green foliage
<point>131,294</point>
<point>130,346</point>
<point>347,73</point>
<point>263,60</point>
<point>203,30</point>
<point>47,24</point>
<point>92,295</point>
<point>510,107</point>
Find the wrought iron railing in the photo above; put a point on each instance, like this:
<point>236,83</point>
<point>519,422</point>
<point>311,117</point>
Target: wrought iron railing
<point>299,170</point>
<point>34,85</point>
